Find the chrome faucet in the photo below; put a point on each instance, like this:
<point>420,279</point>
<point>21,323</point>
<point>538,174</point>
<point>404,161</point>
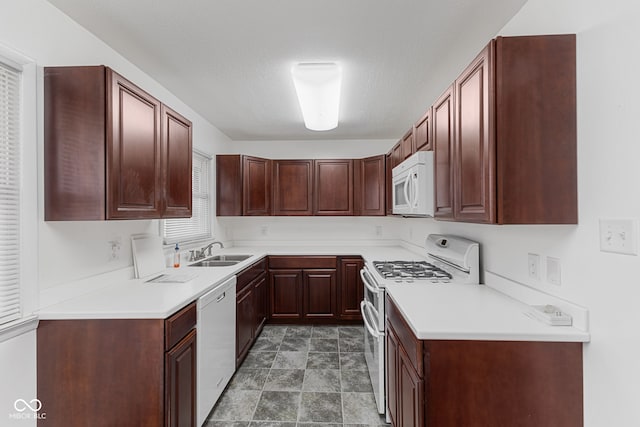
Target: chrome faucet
<point>200,254</point>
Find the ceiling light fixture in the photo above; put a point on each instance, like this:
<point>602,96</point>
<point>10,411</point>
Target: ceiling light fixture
<point>318,89</point>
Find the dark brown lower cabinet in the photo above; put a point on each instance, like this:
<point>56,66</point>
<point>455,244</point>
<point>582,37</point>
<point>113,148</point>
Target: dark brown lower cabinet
<point>244,323</point>
<point>351,288</point>
<point>319,294</point>
<point>260,303</point>
<point>450,383</point>
<point>251,306</point>
<point>303,289</point>
<point>180,366</point>
<point>107,372</point>
<point>286,294</point>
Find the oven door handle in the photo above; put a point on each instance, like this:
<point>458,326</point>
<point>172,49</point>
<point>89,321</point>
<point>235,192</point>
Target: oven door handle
<point>367,284</point>
<point>371,329</point>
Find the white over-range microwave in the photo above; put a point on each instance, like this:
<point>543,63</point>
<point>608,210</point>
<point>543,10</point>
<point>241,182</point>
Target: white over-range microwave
<point>412,191</point>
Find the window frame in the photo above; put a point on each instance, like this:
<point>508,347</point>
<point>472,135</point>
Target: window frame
<point>31,180</point>
<point>186,240</point>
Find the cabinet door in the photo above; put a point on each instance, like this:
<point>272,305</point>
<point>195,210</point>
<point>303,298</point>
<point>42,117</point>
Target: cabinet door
<point>422,133</point>
<point>396,154</point>
<point>245,322</point>
<point>407,145</point>
<point>351,288</point>
<point>474,152</point>
<point>285,294</point>
<point>228,185</point>
<point>176,164</point>
<point>180,368</point>
<point>410,393</point>
<point>134,178</point>
<point>256,186</point>
<point>292,187</point>
<point>260,303</point>
<point>392,350</point>
<point>443,151</point>
<point>319,294</point>
<point>389,182</point>
<point>370,186</point>
<point>333,182</point>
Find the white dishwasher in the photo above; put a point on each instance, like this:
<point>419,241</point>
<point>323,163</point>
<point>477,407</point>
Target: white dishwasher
<point>216,345</point>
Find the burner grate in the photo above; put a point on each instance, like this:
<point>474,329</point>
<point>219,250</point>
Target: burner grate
<point>408,271</point>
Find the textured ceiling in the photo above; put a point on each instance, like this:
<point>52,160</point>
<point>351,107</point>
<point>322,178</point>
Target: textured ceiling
<point>230,60</point>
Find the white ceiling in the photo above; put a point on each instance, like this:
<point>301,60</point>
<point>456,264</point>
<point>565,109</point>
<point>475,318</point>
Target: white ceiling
<point>230,60</point>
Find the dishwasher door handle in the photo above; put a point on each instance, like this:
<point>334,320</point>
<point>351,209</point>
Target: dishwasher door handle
<point>221,297</point>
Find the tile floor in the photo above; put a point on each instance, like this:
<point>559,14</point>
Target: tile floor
<point>296,376</point>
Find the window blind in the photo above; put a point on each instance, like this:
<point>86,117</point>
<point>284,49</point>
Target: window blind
<point>198,227</point>
<point>9,194</point>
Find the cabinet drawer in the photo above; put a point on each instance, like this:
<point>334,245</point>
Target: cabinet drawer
<point>301,262</point>
<point>247,275</point>
<point>406,338</point>
<point>178,325</point>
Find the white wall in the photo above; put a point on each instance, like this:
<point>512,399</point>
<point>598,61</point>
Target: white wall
<point>72,250</point>
<point>608,173</point>
<point>68,250</point>
<point>17,370</point>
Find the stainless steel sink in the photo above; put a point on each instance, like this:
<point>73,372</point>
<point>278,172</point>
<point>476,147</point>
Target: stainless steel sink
<point>214,263</point>
<point>229,258</point>
<point>221,261</point>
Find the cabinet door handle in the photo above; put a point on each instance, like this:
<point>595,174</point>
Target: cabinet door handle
<point>221,297</point>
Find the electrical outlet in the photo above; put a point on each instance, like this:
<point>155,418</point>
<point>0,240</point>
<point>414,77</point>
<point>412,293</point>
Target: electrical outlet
<point>264,230</point>
<point>114,248</point>
<point>534,266</point>
<point>378,230</point>
<point>553,271</point>
<point>618,236</point>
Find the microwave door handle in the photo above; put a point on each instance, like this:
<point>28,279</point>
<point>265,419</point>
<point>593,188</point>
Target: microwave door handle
<point>406,189</point>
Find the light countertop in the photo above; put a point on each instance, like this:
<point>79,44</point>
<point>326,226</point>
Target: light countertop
<point>466,312</point>
<point>433,311</point>
<point>126,298</point>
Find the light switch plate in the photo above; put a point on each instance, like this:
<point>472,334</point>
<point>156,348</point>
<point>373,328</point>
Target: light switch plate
<point>554,272</point>
<point>619,236</point>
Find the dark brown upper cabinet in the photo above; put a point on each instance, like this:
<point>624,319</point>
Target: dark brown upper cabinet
<point>369,186</point>
<point>443,153</point>
<point>422,133</point>
<point>407,144</point>
<point>333,182</point>
<point>513,156</point>
<point>388,161</point>
<point>243,185</point>
<point>292,187</point>
<point>176,135</point>
<point>228,185</point>
<point>256,186</point>
<point>111,150</point>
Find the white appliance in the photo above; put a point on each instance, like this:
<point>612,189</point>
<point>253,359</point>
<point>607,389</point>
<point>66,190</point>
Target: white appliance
<point>413,185</point>
<point>216,345</point>
<point>449,259</point>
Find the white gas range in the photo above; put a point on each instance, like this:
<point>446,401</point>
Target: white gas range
<point>449,259</point>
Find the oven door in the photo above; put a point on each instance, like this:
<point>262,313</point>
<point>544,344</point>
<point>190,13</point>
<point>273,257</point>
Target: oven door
<point>374,343</point>
<point>374,296</point>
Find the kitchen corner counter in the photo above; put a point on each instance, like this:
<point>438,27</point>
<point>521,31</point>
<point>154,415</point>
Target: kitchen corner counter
<point>127,298</point>
<point>473,312</point>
